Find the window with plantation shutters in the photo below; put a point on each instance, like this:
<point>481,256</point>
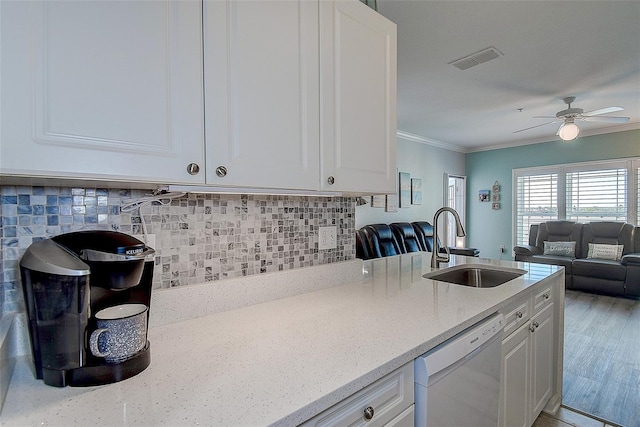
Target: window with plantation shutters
<point>536,201</point>
<point>597,195</point>
<point>581,192</point>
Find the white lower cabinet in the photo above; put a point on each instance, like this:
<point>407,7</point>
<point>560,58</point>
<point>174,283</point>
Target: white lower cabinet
<point>387,402</point>
<point>542,360</point>
<point>527,361</point>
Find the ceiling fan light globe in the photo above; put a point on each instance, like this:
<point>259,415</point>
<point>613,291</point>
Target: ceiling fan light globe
<point>568,131</point>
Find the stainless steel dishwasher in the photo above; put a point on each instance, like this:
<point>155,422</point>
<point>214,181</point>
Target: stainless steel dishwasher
<point>457,384</point>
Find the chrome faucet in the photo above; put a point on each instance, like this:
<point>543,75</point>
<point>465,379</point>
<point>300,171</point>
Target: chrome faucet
<point>436,258</point>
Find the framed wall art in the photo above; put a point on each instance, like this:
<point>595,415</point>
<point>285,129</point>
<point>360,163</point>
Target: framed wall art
<point>484,196</point>
<point>392,203</point>
<point>404,193</point>
<point>416,191</point>
<point>378,201</point>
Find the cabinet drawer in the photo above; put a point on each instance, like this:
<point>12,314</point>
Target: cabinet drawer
<point>405,419</point>
<point>515,315</point>
<point>542,299</point>
<point>389,397</point>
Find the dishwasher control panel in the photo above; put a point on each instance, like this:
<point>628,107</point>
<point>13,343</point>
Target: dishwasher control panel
<point>461,345</point>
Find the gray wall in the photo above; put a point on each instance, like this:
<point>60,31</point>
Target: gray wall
<point>427,163</point>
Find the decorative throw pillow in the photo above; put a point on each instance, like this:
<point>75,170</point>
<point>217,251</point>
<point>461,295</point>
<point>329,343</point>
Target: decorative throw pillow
<point>560,248</point>
<point>601,251</point>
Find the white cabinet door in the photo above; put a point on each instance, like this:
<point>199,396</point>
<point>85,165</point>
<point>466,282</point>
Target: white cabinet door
<point>516,373</point>
<point>358,98</point>
<point>102,89</point>
<point>262,93</point>
<point>542,360</point>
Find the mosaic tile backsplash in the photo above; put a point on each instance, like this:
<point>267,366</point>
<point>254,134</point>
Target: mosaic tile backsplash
<point>198,238</point>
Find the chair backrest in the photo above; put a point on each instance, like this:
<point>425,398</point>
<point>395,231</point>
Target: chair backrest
<point>424,234</point>
<point>363,250</point>
<point>609,233</point>
<point>406,237</point>
<point>382,240</point>
<point>533,234</point>
<point>559,231</point>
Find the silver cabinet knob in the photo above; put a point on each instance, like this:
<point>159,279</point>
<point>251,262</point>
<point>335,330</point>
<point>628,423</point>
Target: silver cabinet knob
<point>532,328</point>
<point>193,168</point>
<point>331,180</point>
<point>546,295</point>
<point>221,171</point>
<point>368,413</point>
<point>536,324</point>
<point>519,315</point>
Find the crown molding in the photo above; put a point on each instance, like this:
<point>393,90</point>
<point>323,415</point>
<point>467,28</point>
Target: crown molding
<point>428,141</point>
<point>448,146</point>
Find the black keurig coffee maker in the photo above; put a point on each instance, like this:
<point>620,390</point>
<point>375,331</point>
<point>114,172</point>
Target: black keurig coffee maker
<point>87,295</point>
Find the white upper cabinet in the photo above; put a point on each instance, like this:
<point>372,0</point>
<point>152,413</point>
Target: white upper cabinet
<point>278,94</point>
<point>262,93</point>
<point>102,89</point>
<point>358,51</point>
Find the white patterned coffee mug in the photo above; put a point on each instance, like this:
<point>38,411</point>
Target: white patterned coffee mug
<point>121,332</point>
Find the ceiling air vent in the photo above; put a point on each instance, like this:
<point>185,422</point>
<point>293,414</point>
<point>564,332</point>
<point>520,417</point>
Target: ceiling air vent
<point>477,58</point>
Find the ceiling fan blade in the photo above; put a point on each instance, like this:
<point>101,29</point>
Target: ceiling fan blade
<point>536,126</point>
<point>606,119</point>
<point>544,117</point>
<point>602,111</point>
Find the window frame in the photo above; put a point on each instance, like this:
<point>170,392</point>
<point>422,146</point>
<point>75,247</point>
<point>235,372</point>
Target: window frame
<point>630,164</point>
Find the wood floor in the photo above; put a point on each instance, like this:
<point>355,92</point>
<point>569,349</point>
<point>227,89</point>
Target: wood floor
<point>602,357</point>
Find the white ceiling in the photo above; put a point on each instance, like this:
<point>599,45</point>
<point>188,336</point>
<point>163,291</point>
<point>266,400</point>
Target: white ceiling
<point>551,49</point>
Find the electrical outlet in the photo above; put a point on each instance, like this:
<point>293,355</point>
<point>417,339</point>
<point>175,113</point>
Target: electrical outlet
<point>501,249</point>
<point>327,237</point>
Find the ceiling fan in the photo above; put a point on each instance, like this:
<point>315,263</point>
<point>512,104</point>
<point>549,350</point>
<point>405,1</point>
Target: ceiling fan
<point>569,129</point>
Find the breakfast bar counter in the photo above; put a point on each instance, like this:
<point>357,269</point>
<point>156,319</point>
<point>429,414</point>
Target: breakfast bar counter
<point>278,362</point>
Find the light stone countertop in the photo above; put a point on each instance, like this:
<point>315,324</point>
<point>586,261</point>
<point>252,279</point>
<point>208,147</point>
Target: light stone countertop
<point>278,362</point>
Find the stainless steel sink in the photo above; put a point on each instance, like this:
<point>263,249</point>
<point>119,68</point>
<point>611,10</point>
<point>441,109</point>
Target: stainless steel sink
<point>475,276</point>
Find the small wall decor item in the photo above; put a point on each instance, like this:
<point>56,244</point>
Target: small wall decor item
<point>483,196</point>
<point>416,191</point>
<point>495,197</point>
<point>378,201</point>
<point>404,184</point>
<point>392,203</point>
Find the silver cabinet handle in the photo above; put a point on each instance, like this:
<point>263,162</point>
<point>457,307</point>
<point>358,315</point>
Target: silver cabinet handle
<point>193,168</point>
<point>221,171</point>
<point>331,180</point>
<point>368,413</point>
<point>519,315</point>
<point>546,295</point>
<point>532,328</point>
<point>536,324</point>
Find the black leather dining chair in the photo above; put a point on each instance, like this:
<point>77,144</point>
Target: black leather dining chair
<point>382,241</point>
<point>406,237</point>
